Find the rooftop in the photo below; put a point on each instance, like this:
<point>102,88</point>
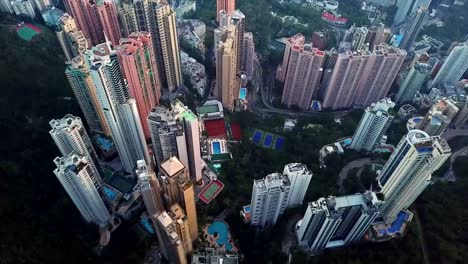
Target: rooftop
<point>172,166</point>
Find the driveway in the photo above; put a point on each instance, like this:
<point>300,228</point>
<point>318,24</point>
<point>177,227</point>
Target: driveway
<point>352,165</point>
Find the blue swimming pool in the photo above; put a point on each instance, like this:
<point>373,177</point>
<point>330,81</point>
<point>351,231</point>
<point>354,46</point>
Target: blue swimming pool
<point>216,147</point>
<point>105,143</point>
<point>222,231</point>
<point>147,225</point>
<point>109,192</point>
<point>242,93</point>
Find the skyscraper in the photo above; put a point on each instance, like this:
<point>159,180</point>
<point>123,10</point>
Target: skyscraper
<point>413,82</point>
<point>77,178</point>
<point>178,189</point>
<point>82,84</point>
<point>299,178</point>
<point>119,108</point>
<point>455,65</point>
<point>86,18</point>
<point>238,20</point>
<point>108,18</point>
<point>138,63</point>
<point>303,76</point>
<point>276,192</point>
<point>269,199</point>
<point>380,71</point>
<point>170,242</point>
<point>191,127</point>
<point>167,44</point>
<point>336,221</point>
<point>413,28</point>
<point>249,54</point>
<point>408,171</point>
<point>227,5</point>
<point>438,117</point>
<point>373,125</point>
<point>149,188</point>
<point>227,80</point>
<point>377,35</point>
<point>404,6</point>
<point>72,40</point>
<point>347,73</point>
<point>359,39</point>
<point>167,135</point>
<point>182,227</point>
<point>297,39</point>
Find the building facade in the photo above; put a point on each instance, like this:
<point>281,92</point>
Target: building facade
<point>170,242</point>
<point>298,40</point>
<point>227,5</point>
<point>149,188</point>
<point>455,65</point>
<point>413,28</point>
<point>138,63</point>
<point>76,176</point>
<point>413,82</point>
<point>408,171</point>
<point>72,40</point>
<point>108,18</point>
<point>438,118</point>
<point>336,221</point>
<point>373,125</point>
<point>249,55</point>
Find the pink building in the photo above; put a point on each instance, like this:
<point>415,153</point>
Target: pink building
<point>86,16</point>
<point>302,80</point>
<point>361,78</point>
<point>297,39</point>
<point>227,5</point>
<point>381,70</point>
<point>344,80</point>
<point>107,12</point>
<point>138,62</point>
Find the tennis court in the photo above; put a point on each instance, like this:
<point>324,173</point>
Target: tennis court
<point>27,31</point>
<point>257,137</point>
<point>279,142</point>
<point>211,191</point>
<point>267,139</point>
<point>121,183</point>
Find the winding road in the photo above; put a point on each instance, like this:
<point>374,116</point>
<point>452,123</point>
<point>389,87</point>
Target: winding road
<point>352,165</point>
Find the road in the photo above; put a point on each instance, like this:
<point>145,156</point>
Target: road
<point>268,108</point>
<point>352,165</point>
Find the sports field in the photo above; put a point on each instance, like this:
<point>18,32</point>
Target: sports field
<point>28,31</point>
<point>211,191</point>
<point>267,139</point>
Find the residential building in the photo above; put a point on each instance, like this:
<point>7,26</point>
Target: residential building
<point>359,39</point>
<point>278,191</point>
<point>119,108</point>
<point>319,40</point>
<point>438,117</point>
<point>408,171</point>
<point>421,3</point>
<point>227,5</point>
<point>182,227</point>
<point>195,71</point>
<point>167,135</point>
<point>380,72</point>
<point>297,39</point>
<point>41,5</point>
<point>127,17</point>
<point>404,6</point>
<point>5,6</point>
<point>304,72</point>
<point>249,55</point>
<point>227,80</point>
<point>455,65</point>
<point>413,82</point>
<point>344,80</point>
<point>23,7</point>
<point>269,199</point>
<point>377,35</point>
<point>191,127</point>
<point>373,125</point>
<point>76,175</point>
<point>336,221</point>
<point>167,44</point>
<point>178,189</point>
<point>70,136</point>
<point>170,242</point>
<point>299,178</point>
<point>149,188</point>
<point>86,18</point>
<point>108,18</point>
<point>72,40</point>
<point>413,28</point>
<point>214,256</point>
<point>238,20</point>
<point>81,82</point>
<point>138,63</point>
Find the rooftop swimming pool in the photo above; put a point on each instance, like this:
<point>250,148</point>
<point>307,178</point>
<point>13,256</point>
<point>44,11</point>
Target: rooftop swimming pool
<point>242,93</point>
<point>110,193</point>
<point>105,143</point>
<point>222,231</point>
<point>216,147</point>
